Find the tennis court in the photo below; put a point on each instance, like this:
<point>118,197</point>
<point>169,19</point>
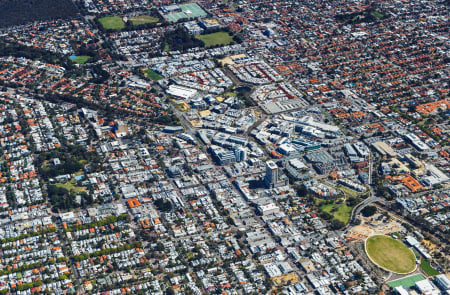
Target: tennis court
<point>193,10</point>
<point>407,282</point>
<point>173,17</point>
<point>187,11</point>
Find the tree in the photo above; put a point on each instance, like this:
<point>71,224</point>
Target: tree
<point>358,275</point>
<point>369,211</point>
<point>352,201</point>
<point>302,191</point>
<point>325,215</point>
<point>180,39</point>
<point>163,205</point>
<point>337,224</point>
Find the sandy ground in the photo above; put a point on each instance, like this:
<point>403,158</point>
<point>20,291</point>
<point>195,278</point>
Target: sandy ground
<point>369,228</point>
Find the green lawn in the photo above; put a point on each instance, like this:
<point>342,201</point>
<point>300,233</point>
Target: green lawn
<point>230,94</point>
<point>112,23</point>
<point>340,212</point>
<point>377,14</point>
<point>416,253</point>
<point>348,191</point>
<point>181,106</point>
<point>427,268</point>
<point>343,213</point>
<point>143,19</point>
<point>219,38</point>
<point>166,47</point>
<point>328,207</point>
<point>81,59</point>
<point>190,255</point>
<point>390,254</point>
<point>149,73</point>
<point>71,186</point>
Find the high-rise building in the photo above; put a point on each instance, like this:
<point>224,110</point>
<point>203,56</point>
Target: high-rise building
<point>241,154</point>
<point>274,177</point>
<point>271,173</point>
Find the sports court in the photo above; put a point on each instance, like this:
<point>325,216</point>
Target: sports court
<point>191,10</point>
<point>407,282</point>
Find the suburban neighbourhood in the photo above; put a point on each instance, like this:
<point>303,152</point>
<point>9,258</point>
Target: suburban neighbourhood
<point>224,147</point>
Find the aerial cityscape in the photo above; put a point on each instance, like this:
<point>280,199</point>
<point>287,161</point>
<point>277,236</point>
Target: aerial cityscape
<point>225,147</point>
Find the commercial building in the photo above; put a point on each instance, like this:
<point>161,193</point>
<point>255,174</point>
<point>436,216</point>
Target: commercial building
<point>273,178</point>
<point>416,142</point>
<point>443,282</point>
<point>271,173</point>
<point>181,92</point>
<point>269,208</point>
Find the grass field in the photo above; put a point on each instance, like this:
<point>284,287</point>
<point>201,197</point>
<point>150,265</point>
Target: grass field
<point>230,94</point>
<point>407,282</point>
<point>339,211</point>
<point>112,23</point>
<point>219,38</point>
<point>152,74</point>
<point>182,106</point>
<point>166,47</point>
<point>348,191</point>
<point>143,19</point>
<point>71,186</point>
<point>80,59</point>
<point>377,14</point>
<point>390,254</point>
<point>427,268</point>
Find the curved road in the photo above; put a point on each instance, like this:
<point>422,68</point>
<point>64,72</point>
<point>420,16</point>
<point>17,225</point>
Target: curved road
<point>357,209</point>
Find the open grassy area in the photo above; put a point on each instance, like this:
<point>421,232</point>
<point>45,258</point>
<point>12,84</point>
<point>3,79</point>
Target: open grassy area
<point>166,47</point>
<point>80,59</point>
<point>348,191</point>
<point>341,212</point>
<point>143,19</point>
<point>182,106</point>
<point>377,14</point>
<point>219,38</point>
<point>112,23</point>
<point>71,186</point>
<point>427,268</point>
<point>149,73</point>
<point>230,94</point>
<point>390,254</point>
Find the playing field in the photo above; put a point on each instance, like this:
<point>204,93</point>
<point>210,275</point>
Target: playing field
<point>390,254</point>
<point>407,282</point>
<point>377,14</point>
<point>152,74</point>
<point>71,186</point>
<point>80,59</point>
<point>219,38</point>
<point>193,10</point>
<point>187,11</point>
<point>143,19</point>
<point>112,22</point>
